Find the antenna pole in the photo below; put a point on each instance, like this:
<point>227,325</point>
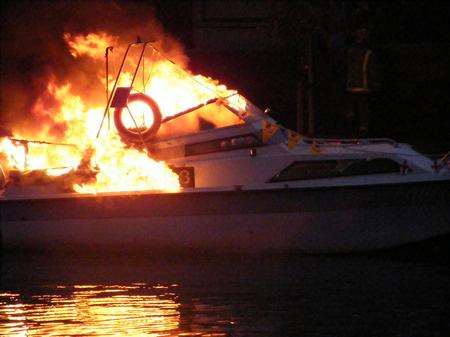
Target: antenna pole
<point>114,88</point>
<point>110,48</point>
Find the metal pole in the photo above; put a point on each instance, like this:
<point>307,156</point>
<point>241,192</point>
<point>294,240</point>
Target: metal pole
<point>107,81</point>
<point>114,88</point>
<point>26,141</point>
<point>143,75</point>
<point>139,62</point>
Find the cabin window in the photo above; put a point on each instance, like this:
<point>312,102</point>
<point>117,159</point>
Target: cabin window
<point>320,169</point>
<point>224,144</point>
<point>373,166</point>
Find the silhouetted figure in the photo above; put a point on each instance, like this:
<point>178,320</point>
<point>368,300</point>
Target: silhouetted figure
<point>362,80</point>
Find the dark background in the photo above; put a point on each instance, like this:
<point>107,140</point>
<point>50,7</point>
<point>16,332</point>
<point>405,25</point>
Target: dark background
<point>411,40</point>
<point>261,48</point>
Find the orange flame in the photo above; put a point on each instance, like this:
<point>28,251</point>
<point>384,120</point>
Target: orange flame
<point>118,167</point>
<point>125,169</point>
<point>15,154</point>
<point>92,45</point>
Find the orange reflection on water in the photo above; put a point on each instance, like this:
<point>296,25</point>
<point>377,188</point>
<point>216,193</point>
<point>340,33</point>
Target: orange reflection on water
<point>90,310</point>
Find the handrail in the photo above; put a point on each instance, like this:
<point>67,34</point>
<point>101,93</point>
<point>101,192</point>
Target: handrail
<point>26,141</point>
<point>349,141</point>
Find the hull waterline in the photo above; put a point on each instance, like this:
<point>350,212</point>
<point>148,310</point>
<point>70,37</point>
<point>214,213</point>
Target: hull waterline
<point>311,220</point>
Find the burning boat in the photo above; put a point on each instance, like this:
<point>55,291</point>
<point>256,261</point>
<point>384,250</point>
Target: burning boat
<point>209,170</point>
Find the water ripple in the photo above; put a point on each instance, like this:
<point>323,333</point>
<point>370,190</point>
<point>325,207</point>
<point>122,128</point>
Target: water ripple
<point>97,310</point>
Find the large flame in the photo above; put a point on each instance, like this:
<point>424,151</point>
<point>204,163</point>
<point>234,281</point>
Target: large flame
<point>68,121</point>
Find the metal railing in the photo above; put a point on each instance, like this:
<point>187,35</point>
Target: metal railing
<point>352,141</point>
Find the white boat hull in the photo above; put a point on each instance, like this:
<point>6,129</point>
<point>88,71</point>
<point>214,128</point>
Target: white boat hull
<point>313,220</point>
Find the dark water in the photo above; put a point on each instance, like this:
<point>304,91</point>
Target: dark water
<point>340,296</point>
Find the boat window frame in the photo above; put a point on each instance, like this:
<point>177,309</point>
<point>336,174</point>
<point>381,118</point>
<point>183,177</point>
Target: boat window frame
<point>221,145</point>
<point>336,172</point>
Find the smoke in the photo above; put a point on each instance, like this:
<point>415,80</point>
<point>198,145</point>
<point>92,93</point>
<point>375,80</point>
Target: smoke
<point>34,53</point>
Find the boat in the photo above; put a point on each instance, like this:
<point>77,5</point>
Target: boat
<point>243,193</point>
<point>249,186</point>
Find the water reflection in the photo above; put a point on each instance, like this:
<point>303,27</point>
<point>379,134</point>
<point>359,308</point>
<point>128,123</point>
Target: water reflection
<point>306,297</point>
<point>97,310</point>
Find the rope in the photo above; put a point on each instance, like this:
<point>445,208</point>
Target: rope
<point>186,72</point>
<point>144,83</point>
<point>137,127</point>
<point>150,73</point>
<point>141,92</point>
<point>434,156</point>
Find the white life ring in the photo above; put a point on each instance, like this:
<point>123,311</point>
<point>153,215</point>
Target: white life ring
<point>146,135</point>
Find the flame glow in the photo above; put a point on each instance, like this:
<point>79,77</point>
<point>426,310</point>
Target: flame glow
<point>123,169</point>
<point>15,154</point>
<point>68,120</point>
<point>92,310</point>
<point>92,45</point>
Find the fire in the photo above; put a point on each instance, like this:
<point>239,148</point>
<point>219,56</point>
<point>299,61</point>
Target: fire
<point>15,154</point>
<point>172,88</point>
<point>92,45</point>
<point>124,169</point>
<point>73,125</point>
